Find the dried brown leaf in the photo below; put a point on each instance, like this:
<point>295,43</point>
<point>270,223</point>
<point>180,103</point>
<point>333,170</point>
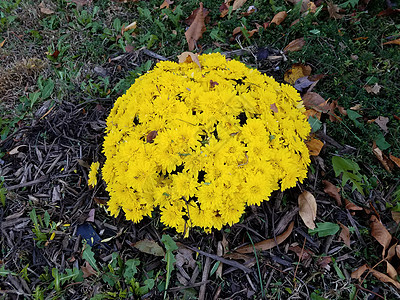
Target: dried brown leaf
<point>394,42</point>
<point>382,123</point>
<point>332,191</point>
<point>384,160</point>
<point>307,254</point>
<point>267,244</point>
<point>307,209</point>
<point>224,9</point>
<point>295,45</point>
<point>333,10</point>
<point>149,247</point>
<point>279,17</point>
<point>45,10</point>
<point>315,101</point>
<point>373,89</point>
<point>2,43</point>
<point>274,108</point>
<point>380,233</point>
<point>87,270</point>
<point>184,256</point>
<point>238,4</point>
<point>295,72</point>
<point>188,57</point>
<point>304,4</point>
<point>166,4</point>
<point>356,274</point>
<point>345,234</point>
<point>314,146</point>
<point>388,12</point>
<point>395,159</point>
<point>197,28</point>
<point>391,271</point>
<point>133,25</point>
<point>396,216</point>
<point>384,278</point>
<point>80,3</point>
<point>324,262</point>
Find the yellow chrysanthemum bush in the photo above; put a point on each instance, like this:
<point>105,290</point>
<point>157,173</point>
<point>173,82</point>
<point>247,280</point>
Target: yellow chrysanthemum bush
<point>203,143</point>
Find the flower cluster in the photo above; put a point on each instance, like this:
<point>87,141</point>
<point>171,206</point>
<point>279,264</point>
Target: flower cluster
<point>201,144</point>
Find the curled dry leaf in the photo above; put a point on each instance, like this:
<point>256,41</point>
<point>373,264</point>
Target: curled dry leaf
<point>391,270</point>
<point>267,244</point>
<point>188,57</point>
<point>295,45</point>
<point>295,72</point>
<point>307,209</point>
<point>2,43</point>
<point>279,17</point>
<point>324,262</point>
<point>129,27</point>
<point>395,159</point>
<point>307,254</point>
<point>380,233</point>
<point>384,160</point>
<point>238,4</point>
<point>197,28</point>
<point>149,247</point>
<point>345,234</point>
<point>316,102</point>
<point>396,216</point>
<point>224,9</point>
<point>314,146</point>
<point>332,191</point>
<point>394,42</point>
<point>356,274</point>
<point>384,278</point>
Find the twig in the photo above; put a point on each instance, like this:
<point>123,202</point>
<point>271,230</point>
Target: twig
<point>221,259</point>
<point>369,291</point>
<point>258,268</point>
<point>153,54</point>
<point>206,271</point>
<point>29,183</point>
<point>297,266</point>
<point>178,288</point>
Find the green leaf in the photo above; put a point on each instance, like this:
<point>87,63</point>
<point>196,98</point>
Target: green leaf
<point>88,255</point>
<point>71,274</point>
<point>47,89</point>
<point>381,142</point>
<point>350,172</point>
<point>56,276</point>
<point>325,229</point>
<point>130,269</point>
<point>46,218</point>
<point>353,115</point>
<point>169,258</point>
<point>150,247</point>
<point>4,272</point>
<point>315,296</point>
<point>337,269</point>
<point>110,278</point>
<point>315,124</point>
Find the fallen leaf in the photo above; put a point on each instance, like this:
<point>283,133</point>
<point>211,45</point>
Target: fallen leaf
<point>356,274</point>
<point>345,234</point>
<point>88,270</point>
<point>44,9</point>
<point>391,270</point>
<point>311,7</point>
<point>295,45</point>
<point>279,17</point>
<point>315,101</point>
<point>267,244</point>
<point>2,43</point>
<point>250,10</point>
<point>391,252</point>
<point>238,4</point>
<point>166,4</point>
<point>307,254</point>
<point>224,9</point>
<point>307,209</point>
<point>149,247</point>
<point>274,108</point>
<point>80,3</point>
<point>324,262</point>
<point>129,27</point>
<point>373,89</point>
<point>356,107</point>
<point>382,122</point>
<point>394,42</point>
<point>384,278</point>
<point>184,256</point>
<point>91,215</point>
<point>313,113</point>
<point>332,191</point>
<point>249,261</point>
<point>221,250</point>
<point>304,4</point>
<point>151,136</point>
<point>188,57</point>
<point>383,159</point>
<point>314,146</point>
<point>380,233</point>
<point>395,159</point>
<point>333,10</point>
<point>196,29</point>
<point>388,12</point>
<point>303,83</point>
<point>295,72</point>
<point>396,216</point>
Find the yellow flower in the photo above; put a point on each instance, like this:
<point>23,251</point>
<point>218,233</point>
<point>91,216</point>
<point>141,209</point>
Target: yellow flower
<point>202,144</point>
<point>94,168</point>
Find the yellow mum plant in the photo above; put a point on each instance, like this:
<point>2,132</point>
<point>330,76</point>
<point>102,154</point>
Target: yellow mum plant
<point>201,144</point>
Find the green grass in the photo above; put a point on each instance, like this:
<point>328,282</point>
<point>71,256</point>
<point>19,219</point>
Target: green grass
<point>53,58</point>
